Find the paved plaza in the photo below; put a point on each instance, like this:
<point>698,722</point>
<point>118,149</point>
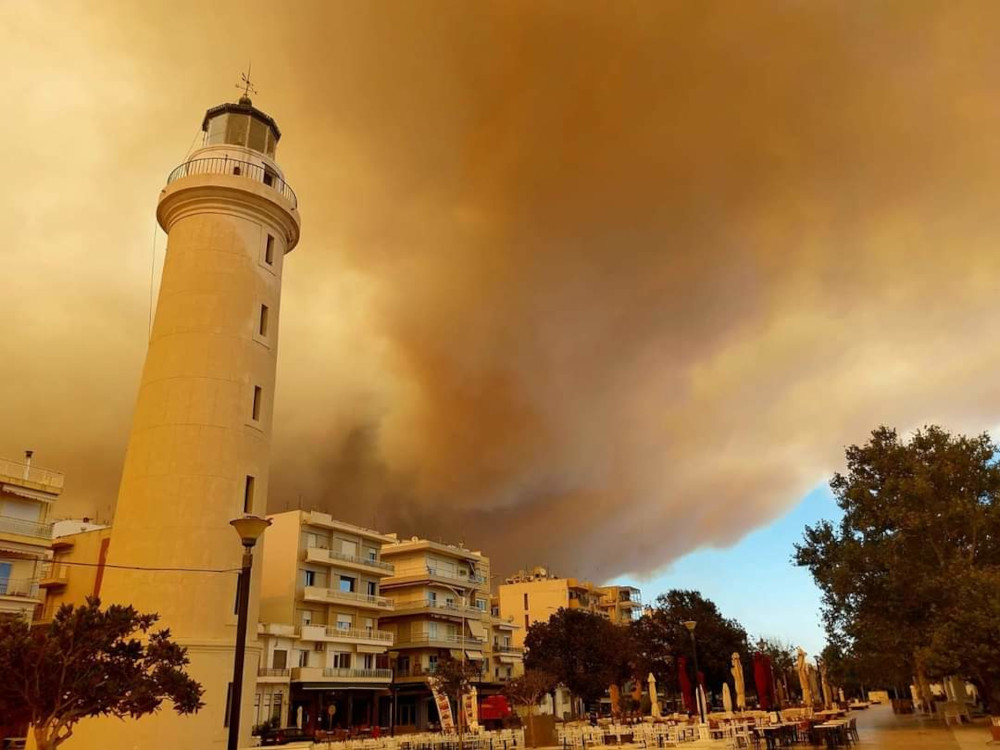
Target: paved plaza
<point>880,728</point>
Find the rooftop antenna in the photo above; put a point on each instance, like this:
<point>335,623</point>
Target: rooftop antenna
<point>246,85</point>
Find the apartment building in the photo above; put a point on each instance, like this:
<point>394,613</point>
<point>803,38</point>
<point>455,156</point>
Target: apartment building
<point>534,596</point>
<point>621,604</point>
<point>27,494</point>
<point>441,598</point>
<point>66,582</point>
<point>324,660</point>
<point>507,657</point>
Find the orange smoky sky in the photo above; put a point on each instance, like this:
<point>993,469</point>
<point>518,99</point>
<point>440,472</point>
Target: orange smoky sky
<point>583,284</point>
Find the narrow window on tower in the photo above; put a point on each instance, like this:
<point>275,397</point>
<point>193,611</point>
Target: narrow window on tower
<point>248,495</point>
<point>257,395</point>
<point>262,327</point>
<point>269,251</point>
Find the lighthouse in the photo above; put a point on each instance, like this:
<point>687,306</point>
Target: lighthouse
<point>199,447</point>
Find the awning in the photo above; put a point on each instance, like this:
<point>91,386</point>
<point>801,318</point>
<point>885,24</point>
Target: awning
<point>477,629</point>
<point>474,655</point>
<point>13,489</point>
<point>363,649</point>
<point>456,654</point>
<point>508,658</point>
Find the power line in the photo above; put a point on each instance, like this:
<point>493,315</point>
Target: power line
<point>141,567</point>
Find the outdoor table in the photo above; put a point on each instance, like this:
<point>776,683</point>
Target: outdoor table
<point>774,735</point>
<point>833,732</point>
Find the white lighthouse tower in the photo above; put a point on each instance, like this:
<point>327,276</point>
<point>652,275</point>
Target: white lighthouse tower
<point>201,435</point>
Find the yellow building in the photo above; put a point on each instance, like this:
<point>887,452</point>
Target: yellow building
<point>320,609</point>
<point>441,609</point>
<point>530,597</point>
<point>65,581</point>
<point>199,448</point>
<point>27,493</point>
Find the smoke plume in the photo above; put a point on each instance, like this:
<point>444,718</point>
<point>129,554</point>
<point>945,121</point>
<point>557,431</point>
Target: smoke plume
<point>581,284</point>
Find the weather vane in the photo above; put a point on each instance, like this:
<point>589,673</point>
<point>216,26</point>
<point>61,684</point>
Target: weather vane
<point>246,85</point>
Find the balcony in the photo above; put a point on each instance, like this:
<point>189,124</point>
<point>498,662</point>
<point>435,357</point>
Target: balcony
<point>19,588</point>
<point>430,573</point>
<point>277,629</point>
<point>442,640</point>
<point>54,577</point>
<point>331,633</point>
<point>227,166</point>
<point>324,556</point>
<point>20,527</point>
<point>333,596</point>
<point>273,674</point>
<point>508,650</point>
<point>16,472</point>
<point>341,674</point>
<point>432,606</point>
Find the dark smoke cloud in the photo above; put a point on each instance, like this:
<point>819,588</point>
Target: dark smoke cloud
<point>583,284</point>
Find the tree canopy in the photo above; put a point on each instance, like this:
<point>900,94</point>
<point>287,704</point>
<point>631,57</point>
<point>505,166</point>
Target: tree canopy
<point>717,637</point>
<point>583,651</point>
<point>90,662</point>
<point>916,551</point>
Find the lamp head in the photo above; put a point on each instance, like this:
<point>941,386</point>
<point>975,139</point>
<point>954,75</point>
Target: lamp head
<point>690,625</point>
<point>250,528</point>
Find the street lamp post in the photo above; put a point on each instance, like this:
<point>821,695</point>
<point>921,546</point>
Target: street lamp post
<point>249,528</point>
<point>690,625</point>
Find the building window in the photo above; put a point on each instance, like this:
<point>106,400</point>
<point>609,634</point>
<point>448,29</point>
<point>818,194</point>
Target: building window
<point>481,605</point>
<point>347,585</point>
<point>432,663</point>
<point>372,554</point>
<point>258,393</point>
<point>432,597</point>
<point>341,660</point>
<point>262,324</point>
<point>279,660</point>
<point>269,251</point>
<point>372,588</point>
<point>526,623</point>
<point>310,577</point>
<point>369,661</point>
<point>344,622</point>
<point>248,487</point>
<point>303,658</point>
<point>525,601</point>
<point>307,617</point>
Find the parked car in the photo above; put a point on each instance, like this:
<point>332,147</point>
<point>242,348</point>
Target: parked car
<point>284,735</point>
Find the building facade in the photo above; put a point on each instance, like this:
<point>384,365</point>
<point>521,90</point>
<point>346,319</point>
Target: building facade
<point>441,609</point>
<point>324,661</point>
<point>65,581</point>
<point>27,494</point>
<point>199,448</point>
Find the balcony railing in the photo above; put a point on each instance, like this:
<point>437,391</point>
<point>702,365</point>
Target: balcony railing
<point>354,634</point>
<point>273,672</point>
<point>458,609</point>
<point>225,165</point>
<point>455,639</point>
<point>353,597</point>
<point>451,576</point>
<point>334,555</point>
<point>35,474</point>
<point>25,528</point>
<point>26,588</point>
<point>346,672</point>
<point>497,649</point>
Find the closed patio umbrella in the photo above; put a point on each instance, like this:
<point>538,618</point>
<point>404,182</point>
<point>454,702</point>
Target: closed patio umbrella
<point>737,670</point>
<point>687,693</point>
<point>654,699</point>
<point>803,670</point>
<point>727,699</point>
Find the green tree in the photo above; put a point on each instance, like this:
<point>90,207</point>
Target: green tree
<point>454,678</point>
<point>717,637</point>
<point>920,527</point>
<point>583,651</point>
<point>90,662</point>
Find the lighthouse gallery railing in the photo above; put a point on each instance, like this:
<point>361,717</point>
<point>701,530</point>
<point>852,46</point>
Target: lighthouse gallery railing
<point>225,165</point>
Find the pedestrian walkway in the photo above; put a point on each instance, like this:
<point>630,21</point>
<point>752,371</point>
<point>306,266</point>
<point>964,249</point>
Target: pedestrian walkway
<point>881,729</point>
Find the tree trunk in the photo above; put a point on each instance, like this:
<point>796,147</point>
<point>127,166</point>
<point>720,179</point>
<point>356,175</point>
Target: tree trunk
<point>42,739</point>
